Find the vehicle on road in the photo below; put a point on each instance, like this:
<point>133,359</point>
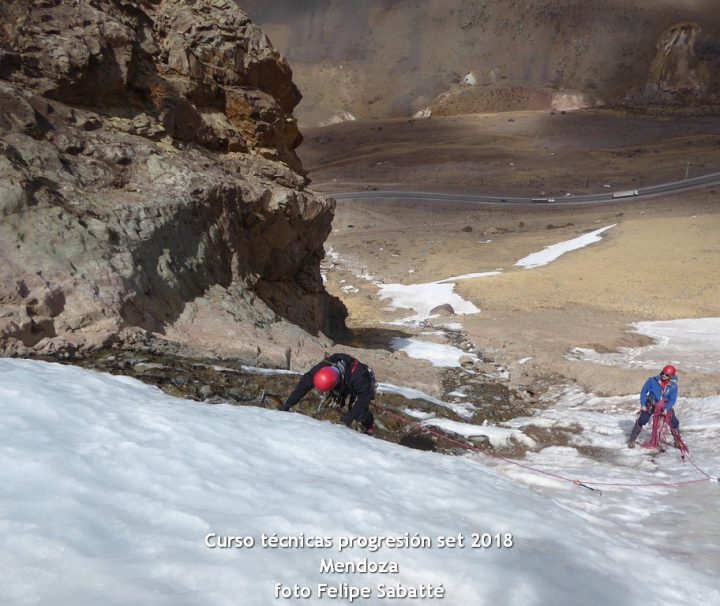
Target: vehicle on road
<point>625,194</point>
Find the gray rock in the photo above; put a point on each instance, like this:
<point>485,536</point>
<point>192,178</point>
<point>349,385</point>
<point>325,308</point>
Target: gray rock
<point>443,310</point>
<point>467,361</point>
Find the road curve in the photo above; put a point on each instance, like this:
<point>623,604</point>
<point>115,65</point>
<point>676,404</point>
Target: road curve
<point>652,190</point>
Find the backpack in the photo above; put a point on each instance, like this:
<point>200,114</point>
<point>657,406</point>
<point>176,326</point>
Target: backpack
<point>371,374</point>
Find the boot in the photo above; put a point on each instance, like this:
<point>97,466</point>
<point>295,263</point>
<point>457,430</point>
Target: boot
<point>633,435</point>
<point>368,429</point>
<point>676,437</point>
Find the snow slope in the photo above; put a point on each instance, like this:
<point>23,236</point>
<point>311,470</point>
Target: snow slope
<point>110,489</point>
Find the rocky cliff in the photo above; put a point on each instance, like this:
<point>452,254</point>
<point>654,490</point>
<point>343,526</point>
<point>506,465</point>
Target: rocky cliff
<point>686,67</point>
<point>379,59</point>
<point>148,182</point>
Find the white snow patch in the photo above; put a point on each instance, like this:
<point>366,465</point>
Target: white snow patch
<point>338,117</point>
<point>463,409</point>
<point>689,344</point>
<point>423,297</point>
<point>437,354</point>
<point>458,394</point>
<point>552,252</point>
<point>418,414</point>
<point>498,436</point>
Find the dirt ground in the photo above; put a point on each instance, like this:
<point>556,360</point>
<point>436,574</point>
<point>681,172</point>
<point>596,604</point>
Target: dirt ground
<point>660,262</point>
<point>513,153</point>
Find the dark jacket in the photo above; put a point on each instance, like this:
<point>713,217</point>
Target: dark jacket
<point>356,380</point>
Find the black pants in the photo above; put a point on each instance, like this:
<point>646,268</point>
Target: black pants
<point>360,414</point>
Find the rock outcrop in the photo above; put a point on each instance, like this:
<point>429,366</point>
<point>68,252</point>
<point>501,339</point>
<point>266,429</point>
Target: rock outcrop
<point>466,98</point>
<point>679,73</point>
<point>148,181</point>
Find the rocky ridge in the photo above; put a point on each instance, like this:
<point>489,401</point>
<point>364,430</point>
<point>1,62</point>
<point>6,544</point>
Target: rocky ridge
<point>149,184</point>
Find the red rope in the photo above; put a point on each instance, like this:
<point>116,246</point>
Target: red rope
<point>583,483</point>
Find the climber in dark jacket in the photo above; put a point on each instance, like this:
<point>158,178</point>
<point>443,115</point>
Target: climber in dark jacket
<point>343,377</point>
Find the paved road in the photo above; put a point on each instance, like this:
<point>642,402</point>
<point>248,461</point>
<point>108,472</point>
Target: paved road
<point>653,190</point>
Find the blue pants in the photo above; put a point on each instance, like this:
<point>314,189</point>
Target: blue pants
<point>645,416</point>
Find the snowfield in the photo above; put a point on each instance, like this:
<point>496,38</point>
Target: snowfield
<point>114,493</point>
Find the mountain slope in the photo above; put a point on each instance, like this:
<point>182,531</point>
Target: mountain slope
<point>376,59</point>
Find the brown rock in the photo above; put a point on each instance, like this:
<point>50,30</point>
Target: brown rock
<point>676,68</point>
<point>148,181</point>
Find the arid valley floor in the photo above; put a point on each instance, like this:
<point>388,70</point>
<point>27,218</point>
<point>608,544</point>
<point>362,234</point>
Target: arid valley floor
<point>660,261</point>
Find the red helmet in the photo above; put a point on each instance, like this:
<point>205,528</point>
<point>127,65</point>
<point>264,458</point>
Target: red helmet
<point>326,378</point>
<point>669,370</point>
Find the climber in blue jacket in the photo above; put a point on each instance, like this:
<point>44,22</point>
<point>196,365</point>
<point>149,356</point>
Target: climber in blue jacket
<point>660,390</point>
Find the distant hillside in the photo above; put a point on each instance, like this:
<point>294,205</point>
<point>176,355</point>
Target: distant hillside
<point>381,58</point>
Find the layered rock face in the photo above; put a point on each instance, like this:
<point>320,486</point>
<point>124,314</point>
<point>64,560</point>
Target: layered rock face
<point>148,181</point>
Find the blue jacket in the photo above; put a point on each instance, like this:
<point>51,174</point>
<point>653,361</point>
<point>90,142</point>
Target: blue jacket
<point>654,389</point>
